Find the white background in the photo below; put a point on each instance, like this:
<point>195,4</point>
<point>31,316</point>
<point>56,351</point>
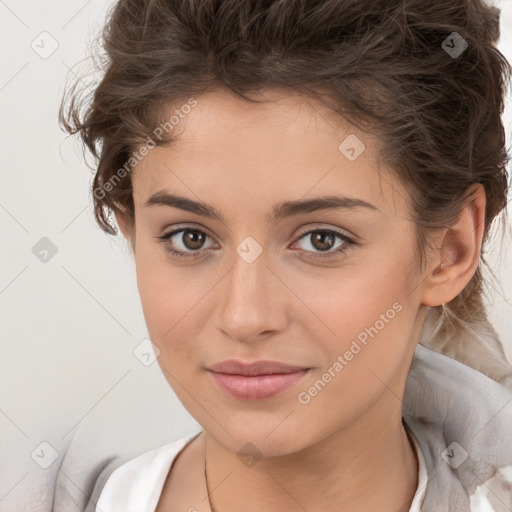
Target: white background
<point>69,326</point>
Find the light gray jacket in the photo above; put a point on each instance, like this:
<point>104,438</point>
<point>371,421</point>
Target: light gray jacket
<point>461,418</point>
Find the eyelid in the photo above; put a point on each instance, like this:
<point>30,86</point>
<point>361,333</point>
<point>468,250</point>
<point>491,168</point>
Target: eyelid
<point>181,227</point>
<point>322,227</point>
<point>347,244</point>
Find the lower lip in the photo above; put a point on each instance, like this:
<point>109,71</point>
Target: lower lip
<point>256,387</point>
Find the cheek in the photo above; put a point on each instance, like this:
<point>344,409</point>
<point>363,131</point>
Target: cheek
<point>371,328</point>
<point>160,286</point>
<point>175,305</point>
<point>362,313</point>
<point>345,300</point>
<point>155,296</point>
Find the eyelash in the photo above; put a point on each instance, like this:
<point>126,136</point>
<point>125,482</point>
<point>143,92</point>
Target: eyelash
<point>186,255</point>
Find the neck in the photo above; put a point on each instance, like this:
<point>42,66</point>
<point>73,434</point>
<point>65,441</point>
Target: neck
<point>367,465</point>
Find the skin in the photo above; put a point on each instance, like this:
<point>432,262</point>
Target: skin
<point>347,445</point>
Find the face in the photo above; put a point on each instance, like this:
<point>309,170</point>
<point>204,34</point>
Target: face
<point>329,290</point>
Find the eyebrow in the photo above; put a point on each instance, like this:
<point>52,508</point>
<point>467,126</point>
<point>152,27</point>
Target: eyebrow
<point>279,210</point>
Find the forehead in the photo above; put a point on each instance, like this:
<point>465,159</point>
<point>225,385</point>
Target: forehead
<point>286,147</point>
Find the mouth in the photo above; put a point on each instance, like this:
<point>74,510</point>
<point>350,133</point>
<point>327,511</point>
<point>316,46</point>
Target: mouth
<point>255,368</point>
<point>255,381</point>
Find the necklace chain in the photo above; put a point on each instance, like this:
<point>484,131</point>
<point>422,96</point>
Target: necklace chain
<point>207,491</point>
<point>206,480</point>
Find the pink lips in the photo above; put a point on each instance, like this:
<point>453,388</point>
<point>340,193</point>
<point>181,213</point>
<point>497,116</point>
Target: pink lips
<point>255,381</point>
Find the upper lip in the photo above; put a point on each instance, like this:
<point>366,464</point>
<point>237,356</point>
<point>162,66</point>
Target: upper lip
<point>234,367</point>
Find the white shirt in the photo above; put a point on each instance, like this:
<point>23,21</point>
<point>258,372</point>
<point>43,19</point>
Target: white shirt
<point>136,485</point>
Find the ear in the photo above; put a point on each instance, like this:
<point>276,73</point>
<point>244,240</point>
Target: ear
<point>126,228</point>
<point>457,253</point>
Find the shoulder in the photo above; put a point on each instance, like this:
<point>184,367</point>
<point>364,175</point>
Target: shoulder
<point>84,473</point>
<point>136,484</point>
<point>495,494</point>
<point>462,420</point>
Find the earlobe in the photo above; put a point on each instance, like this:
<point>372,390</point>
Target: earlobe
<point>456,259</point>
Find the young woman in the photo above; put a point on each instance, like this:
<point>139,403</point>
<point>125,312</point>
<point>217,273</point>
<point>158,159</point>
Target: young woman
<point>308,189</point>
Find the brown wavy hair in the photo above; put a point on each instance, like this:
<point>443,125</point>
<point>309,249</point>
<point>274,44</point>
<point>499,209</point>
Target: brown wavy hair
<point>384,65</point>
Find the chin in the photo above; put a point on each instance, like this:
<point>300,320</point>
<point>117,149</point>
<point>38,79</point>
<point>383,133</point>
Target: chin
<point>272,437</point>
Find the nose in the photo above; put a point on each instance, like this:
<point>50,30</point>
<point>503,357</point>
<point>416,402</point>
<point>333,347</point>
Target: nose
<point>252,301</point>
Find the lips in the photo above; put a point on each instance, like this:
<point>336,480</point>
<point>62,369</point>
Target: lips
<point>233,367</point>
<point>255,381</point>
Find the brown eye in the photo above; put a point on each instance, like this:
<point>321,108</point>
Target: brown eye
<point>324,241</point>
<point>184,242</point>
<point>193,239</point>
